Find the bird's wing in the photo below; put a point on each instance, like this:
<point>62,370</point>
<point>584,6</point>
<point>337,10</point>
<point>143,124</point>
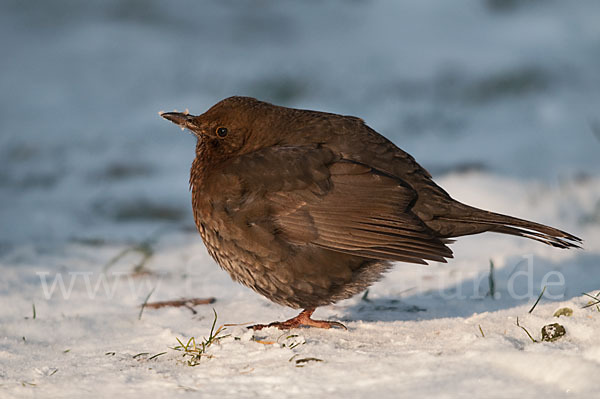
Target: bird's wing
<point>281,168</point>
<point>363,212</point>
<point>235,195</point>
<point>311,196</point>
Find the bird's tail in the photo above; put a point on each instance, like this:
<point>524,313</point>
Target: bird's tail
<point>469,220</point>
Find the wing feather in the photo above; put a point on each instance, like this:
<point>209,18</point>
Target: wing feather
<point>315,197</point>
<point>364,213</point>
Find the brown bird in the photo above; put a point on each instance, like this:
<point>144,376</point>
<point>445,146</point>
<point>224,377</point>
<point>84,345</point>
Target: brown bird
<point>308,208</point>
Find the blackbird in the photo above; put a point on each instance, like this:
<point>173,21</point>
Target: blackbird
<point>308,208</point>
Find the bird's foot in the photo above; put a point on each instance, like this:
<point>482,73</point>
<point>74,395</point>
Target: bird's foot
<point>302,320</point>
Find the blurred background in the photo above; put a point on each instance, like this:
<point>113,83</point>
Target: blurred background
<point>503,87</point>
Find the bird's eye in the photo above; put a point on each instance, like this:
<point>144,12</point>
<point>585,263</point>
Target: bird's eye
<point>221,132</point>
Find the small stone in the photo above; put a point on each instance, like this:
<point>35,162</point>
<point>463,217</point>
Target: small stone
<point>563,312</point>
<point>552,332</point>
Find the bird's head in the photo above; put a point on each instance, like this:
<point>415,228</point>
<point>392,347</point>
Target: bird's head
<point>233,126</point>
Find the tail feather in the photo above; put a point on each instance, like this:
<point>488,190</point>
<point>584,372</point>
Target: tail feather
<point>541,237</point>
<point>490,221</point>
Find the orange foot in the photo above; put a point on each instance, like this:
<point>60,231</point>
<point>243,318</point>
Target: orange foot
<point>302,320</point>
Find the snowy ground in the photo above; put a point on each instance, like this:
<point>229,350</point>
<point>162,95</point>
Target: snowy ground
<point>498,99</point>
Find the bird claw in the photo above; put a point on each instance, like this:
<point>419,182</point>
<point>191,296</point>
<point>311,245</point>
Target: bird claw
<point>302,320</point>
<point>285,325</point>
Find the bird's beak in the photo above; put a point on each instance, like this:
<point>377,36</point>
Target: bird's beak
<point>185,120</point>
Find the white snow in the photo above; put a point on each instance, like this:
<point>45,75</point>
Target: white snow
<point>500,105</point>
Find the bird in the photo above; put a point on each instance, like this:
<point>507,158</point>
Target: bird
<point>308,208</point>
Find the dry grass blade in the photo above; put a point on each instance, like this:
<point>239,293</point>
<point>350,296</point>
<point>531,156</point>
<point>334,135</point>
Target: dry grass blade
<point>481,331</point>
<point>290,341</point>
<point>365,296</point>
<point>157,355</point>
<point>33,312</point>
<point>538,299</point>
<point>145,303</point>
<point>144,248</point>
<point>492,281</point>
<point>595,298</point>
<point>526,332</point>
<point>185,302</point>
<point>238,324</point>
<point>259,341</point>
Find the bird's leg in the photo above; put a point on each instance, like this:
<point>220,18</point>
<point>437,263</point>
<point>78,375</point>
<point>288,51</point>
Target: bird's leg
<point>302,320</point>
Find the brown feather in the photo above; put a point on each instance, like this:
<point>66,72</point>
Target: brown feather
<point>377,223</point>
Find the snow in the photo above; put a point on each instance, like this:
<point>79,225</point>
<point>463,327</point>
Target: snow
<point>498,102</point>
